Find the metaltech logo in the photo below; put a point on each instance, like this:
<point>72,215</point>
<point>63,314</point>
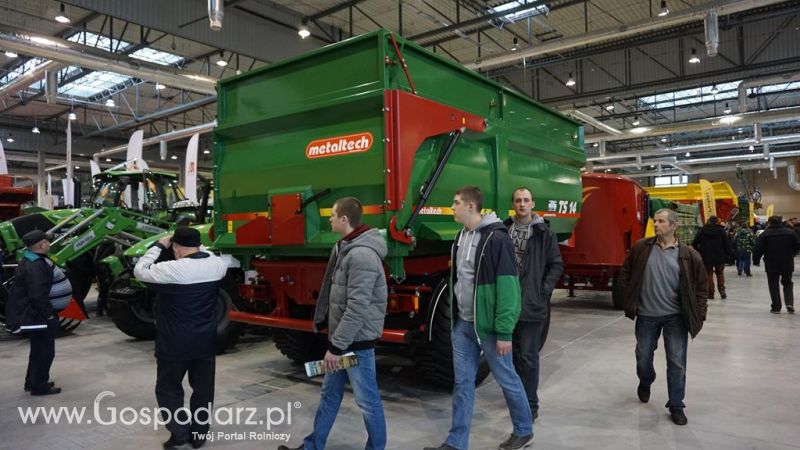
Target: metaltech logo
<point>340,145</point>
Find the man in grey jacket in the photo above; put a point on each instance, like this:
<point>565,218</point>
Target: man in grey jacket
<point>353,303</point>
<point>540,266</point>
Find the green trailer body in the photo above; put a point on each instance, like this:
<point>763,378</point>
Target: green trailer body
<point>400,128</point>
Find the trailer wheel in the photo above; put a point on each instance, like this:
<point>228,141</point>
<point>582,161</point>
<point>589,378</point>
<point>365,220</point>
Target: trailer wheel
<point>433,359</point>
<point>299,346</point>
<point>616,293</point>
<point>228,332</point>
<point>130,310</point>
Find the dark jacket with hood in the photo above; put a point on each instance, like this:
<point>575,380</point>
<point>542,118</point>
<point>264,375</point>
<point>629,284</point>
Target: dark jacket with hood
<point>539,270</point>
<point>352,300</point>
<point>778,244</point>
<point>28,306</point>
<point>693,282</point>
<point>495,293</point>
<point>713,244</point>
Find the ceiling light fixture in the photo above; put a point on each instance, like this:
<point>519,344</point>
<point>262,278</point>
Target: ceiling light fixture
<point>514,43</point>
<point>694,59</point>
<point>77,167</point>
<point>206,151</point>
<point>303,32</point>
<point>108,159</point>
<point>727,109</point>
<point>11,54</point>
<point>9,138</point>
<point>173,156</point>
<point>636,121</point>
<point>160,87</point>
<point>664,10</point>
<point>35,130</point>
<point>664,139</point>
<point>688,154</point>
<point>751,148</point>
<point>570,81</point>
<point>610,107</point>
<point>62,15</point>
<point>72,116</point>
<point>221,60</point>
<point>714,89</point>
<point>110,103</point>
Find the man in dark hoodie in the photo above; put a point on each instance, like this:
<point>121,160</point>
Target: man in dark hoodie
<point>352,301</point>
<point>778,244</point>
<point>485,303</point>
<point>714,246</point>
<point>540,265</point>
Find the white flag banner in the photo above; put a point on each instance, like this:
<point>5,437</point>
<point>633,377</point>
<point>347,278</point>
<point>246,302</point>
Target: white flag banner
<point>190,169</point>
<point>49,191</point>
<point>94,167</point>
<point>65,188</point>
<point>69,190</point>
<point>3,164</point>
<point>134,155</point>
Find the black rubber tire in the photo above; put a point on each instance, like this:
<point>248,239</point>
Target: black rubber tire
<point>134,317</point>
<point>299,346</point>
<point>616,293</point>
<point>433,359</point>
<point>228,332</point>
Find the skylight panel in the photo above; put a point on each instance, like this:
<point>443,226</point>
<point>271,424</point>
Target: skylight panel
<point>20,70</point>
<point>534,10</point>
<point>156,56</point>
<point>93,84</point>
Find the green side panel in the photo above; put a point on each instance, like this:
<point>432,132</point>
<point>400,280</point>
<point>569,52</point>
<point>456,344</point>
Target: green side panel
<point>269,116</point>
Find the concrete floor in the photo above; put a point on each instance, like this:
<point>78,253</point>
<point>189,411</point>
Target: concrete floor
<point>742,391</point>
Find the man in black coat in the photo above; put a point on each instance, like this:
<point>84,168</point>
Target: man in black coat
<point>29,311</point>
<point>714,245</point>
<point>540,265</point>
<point>778,244</point>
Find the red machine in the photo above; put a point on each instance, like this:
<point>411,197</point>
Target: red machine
<point>613,217</point>
<point>12,198</point>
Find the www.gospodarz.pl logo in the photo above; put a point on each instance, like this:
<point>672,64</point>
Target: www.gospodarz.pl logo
<point>207,415</point>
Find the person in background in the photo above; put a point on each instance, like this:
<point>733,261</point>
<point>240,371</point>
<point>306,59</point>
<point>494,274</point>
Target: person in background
<point>714,245</point>
<point>778,245</point>
<point>743,242</point>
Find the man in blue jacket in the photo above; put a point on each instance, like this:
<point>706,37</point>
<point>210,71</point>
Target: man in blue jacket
<point>29,311</point>
<point>186,330</point>
<point>485,303</point>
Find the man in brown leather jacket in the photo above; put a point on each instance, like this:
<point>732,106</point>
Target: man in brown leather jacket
<point>664,286</point>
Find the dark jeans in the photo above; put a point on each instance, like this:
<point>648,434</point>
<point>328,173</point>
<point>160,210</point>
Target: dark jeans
<point>743,263</point>
<point>169,394</point>
<point>40,358</point>
<point>775,292</point>
<point>527,340</point>
<point>719,271</point>
<point>676,339</point>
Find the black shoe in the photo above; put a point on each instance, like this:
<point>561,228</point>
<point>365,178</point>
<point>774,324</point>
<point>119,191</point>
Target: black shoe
<point>197,443</point>
<point>739,273</point>
<point>644,393</point>
<point>283,447</point>
<point>535,413</point>
<point>723,296</point>
<point>514,442</point>
<point>173,443</point>
<point>441,447</point>
<point>678,416</point>
<point>51,390</point>
<point>49,385</point>
<point>749,275</point>
<point>775,311</point>
<point>790,309</point>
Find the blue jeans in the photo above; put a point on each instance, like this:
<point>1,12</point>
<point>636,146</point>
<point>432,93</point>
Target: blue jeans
<point>466,355</point>
<point>743,263</point>
<point>676,340</point>
<point>364,382</point>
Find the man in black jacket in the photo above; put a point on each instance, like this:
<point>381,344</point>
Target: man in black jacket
<point>714,245</point>
<point>540,265</point>
<point>29,311</point>
<point>186,330</point>
<point>778,245</point>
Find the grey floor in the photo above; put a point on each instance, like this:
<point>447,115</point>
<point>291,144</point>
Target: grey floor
<point>742,389</point>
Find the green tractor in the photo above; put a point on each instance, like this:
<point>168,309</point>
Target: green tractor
<point>125,207</point>
<point>132,306</point>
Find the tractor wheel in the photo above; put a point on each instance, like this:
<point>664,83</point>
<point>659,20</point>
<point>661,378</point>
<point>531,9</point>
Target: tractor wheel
<point>433,359</point>
<point>131,310</point>
<point>299,346</point>
<point>616,293</point>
